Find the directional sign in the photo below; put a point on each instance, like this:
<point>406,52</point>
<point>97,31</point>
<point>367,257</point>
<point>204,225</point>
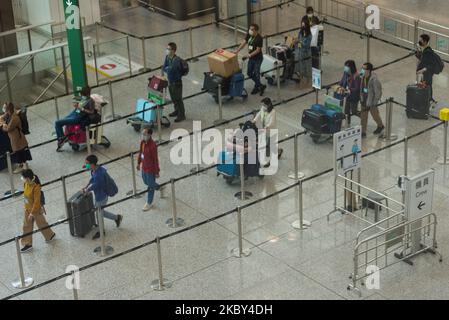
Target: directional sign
<point>419,194</point>
<point>347,150</point>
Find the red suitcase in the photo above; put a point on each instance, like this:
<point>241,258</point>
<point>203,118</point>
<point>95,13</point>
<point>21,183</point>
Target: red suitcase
<point>77,136</point>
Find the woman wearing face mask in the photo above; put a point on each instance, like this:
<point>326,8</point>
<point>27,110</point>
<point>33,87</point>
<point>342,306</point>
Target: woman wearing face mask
<point>19,144</point>
<point>349,86</point>
<point>303,53</point>
<point>266,119</point>
<point>5,144</point>
<point>148,162</point>
<point>33,210</point>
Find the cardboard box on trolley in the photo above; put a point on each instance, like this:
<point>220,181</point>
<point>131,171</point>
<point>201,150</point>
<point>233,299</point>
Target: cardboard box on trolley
<point>223,63</point>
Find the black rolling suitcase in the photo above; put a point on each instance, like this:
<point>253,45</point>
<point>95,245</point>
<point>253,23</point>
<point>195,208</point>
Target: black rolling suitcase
<point>418,102</point>
<point>81,206</point>
<point>211,82</point>
<point>314,121</point>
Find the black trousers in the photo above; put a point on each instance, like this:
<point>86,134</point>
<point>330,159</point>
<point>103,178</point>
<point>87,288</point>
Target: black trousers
<point>175,90</point>
<point>428,77</point>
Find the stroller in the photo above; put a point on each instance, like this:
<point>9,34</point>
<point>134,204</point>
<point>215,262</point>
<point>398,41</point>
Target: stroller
<point>77,137</point>
<point>229,160</point>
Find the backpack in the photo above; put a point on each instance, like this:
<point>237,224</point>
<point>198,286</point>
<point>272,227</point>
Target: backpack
<point>438,64</point>
<point>24,121</point>
<point>184,67</point>
<point>111,186</point>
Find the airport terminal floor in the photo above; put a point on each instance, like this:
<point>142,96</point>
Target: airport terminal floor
<point>224,247</point>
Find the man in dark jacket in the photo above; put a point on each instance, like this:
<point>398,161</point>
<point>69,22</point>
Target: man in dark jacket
<point>425,67</point>
<point>97,185</point>
<point>173,68</point>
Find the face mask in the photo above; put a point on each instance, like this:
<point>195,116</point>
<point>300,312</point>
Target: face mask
<point>251,32</point>
<point>88,166</point>
<point>145,138</point>
<point>347,69</point>
<point>167,52</point>
<point>310,15</point>
<point>264,108</point>
<point>362,72</point>
<point>22,178</point>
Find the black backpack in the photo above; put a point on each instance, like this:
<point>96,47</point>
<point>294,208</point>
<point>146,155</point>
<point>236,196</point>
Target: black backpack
<point>438,64</point>
<point>24,121</point>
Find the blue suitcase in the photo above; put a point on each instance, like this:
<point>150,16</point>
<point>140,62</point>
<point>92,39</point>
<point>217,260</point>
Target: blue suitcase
<point>334,118</point>
<point>227,164</point>
<point>237,85</point>
<point>149,115</point>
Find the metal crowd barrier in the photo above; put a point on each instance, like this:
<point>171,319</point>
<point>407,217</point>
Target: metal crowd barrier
<point>393,245</point>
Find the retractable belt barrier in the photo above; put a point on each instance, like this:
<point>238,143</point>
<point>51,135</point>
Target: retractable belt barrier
<point>298,183</point>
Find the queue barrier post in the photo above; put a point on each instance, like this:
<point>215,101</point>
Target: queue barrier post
<point>297,174</point>
<point>111,100</point>
<point>405,156</point>
<point>103,250</point>
<point>278,81</point>
<point>128,49</point>
<point>161,283</point>
<point>89,146</point>
<point>236,39</point>
<point>175,221</point>
<point>301,224</point>
<point>74,286</point>
<point>8,82</point>
<point>197,152</point>
<point>239,252</point>
<point>56,107</point>
<point>192,56</point>
<point>159,122</point>
<point>12,192</point>
<point>220,106</point>
<point>23,281</point>
<point>144,54</point>
<point>242,194</point>
<point>388,135</point>
<point>65,199</point>
<point>277,18</point>
<point>444,116</point>
<point>134,192</point>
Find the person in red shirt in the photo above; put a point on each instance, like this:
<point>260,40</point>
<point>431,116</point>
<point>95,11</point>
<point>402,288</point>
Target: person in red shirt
<point>148,162</point>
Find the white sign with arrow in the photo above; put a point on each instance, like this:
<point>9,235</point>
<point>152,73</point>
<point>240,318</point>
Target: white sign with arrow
<point>419,194</point>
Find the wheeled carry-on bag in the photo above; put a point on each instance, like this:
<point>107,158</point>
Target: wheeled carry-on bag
<point>81,211</point>
<point>314,121</point>
<point>280,52</point>
<point>147,115</point>
<point>268,69</point>
<point>418,102</point>
<point>334,118</point>
<point>237,85</point>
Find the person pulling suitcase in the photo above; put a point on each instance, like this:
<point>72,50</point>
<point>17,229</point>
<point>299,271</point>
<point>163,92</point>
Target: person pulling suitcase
<point>101,184</point>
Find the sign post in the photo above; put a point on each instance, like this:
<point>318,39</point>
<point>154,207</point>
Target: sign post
<point>75,44</point>
<point>419,198</point>
<point>316,82</point>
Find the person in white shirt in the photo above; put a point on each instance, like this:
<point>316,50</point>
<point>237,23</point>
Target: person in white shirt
<point>266,119</point>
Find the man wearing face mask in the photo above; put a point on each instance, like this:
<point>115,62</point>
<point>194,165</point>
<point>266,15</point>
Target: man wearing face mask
<point>425,66</point>
<point>371,93</point>
<point>173,68</point>
<point>97,185</point>
<point>148,162</point>
<point>255,57</point>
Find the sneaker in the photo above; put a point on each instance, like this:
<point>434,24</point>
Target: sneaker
<point>180,119</point>
<point>255,91</point>
<point>51,239</point>
<point>173,114</point>
<point>27,248</point>
<point>379,130</point>
<point>262,89</point>
<point>147,207</point>
<point>118,221</point>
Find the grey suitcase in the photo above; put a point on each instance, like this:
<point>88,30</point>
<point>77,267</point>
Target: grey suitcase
<point>81,211</point>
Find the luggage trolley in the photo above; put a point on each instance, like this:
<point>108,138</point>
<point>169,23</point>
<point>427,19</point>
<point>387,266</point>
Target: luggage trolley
<point>228,160</point>
<point>148,109</point>
<point>233,86</point>
<point>77,138</point>
<point>322,121</point>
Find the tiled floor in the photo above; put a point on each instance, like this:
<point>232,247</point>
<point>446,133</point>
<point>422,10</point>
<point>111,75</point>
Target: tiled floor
<point>284,263</point>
